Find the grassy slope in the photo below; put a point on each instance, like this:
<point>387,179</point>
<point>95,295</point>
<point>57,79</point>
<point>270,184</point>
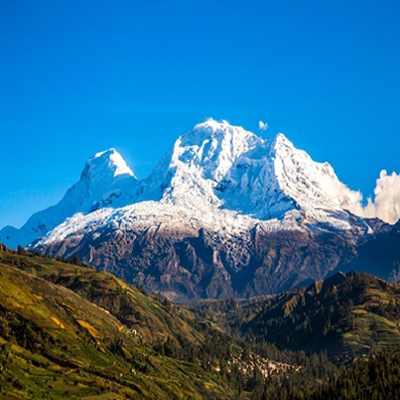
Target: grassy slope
<point>56,344</point>
<point>155,320</point>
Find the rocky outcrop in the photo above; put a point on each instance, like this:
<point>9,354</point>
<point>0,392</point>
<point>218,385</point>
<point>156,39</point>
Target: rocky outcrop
<point>205,265</point>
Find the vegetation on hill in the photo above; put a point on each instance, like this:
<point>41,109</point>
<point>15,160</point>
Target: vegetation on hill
<point>70,332</point>
<point>346,315</point>
<point>57,344</point>
<point>155,318</point>
<point>377,377</point>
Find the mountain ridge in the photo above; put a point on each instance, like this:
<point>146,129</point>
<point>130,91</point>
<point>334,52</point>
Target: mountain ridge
<point>102,182</point>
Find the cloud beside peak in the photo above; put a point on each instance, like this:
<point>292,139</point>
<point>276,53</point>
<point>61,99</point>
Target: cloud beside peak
<point>386,204</point>
<point>263,126</point>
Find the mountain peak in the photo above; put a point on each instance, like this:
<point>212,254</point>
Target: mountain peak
<point>280,138</point>
<point>213,147</point>
<point>213,129</point>
<point>212,124</point>
<point>106,181</point>
<point>108,163</point>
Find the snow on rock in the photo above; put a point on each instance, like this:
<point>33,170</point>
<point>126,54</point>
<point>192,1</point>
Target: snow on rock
<point>106,180</point>
<point>106,165</point>
<point>227,167</point>
<point>217,176</point>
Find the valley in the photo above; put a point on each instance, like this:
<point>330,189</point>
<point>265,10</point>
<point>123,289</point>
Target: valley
<point>68,331</point>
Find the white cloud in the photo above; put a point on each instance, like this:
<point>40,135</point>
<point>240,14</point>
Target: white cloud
<point>386,204</point>
<point>263,126</point>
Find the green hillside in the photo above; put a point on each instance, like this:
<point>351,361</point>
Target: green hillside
<point>377,378</point>
<point>152,317</point>
<point>70,332</point>
<point>347,314</point>
<point>56,344</point>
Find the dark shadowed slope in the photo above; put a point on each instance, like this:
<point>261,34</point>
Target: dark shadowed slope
<point>379,256</point>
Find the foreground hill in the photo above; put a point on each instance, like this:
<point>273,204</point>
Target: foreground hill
<point>155,319</point>
<point>225,213</point>
<point>346,314</point>
<point>70,332</point>
<point>377,377</point>
<point>58,344</point>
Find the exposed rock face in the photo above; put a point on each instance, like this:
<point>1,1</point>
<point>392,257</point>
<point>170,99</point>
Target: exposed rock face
<point>204,265</point>
<point>380,255</point>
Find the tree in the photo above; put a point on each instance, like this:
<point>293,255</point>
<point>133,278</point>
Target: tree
<point>4,359</point>
<point>21,251</point>
<point>76,260</point>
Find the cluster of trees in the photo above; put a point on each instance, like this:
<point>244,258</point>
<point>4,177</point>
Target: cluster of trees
<point>318,377</point>
<point>312,319</point>
<point>376,378</point>
<point>16,329</point>
<point>4,357</point>
<point>216,349</point>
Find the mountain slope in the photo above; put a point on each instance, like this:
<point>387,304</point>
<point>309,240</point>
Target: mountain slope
<point>184,264</point>
<point>344,314</point>
<point>154,321</point>
<point>380,256</point>
<point>56,344</point>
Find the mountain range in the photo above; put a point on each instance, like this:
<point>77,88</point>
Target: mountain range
<point>224,213</point>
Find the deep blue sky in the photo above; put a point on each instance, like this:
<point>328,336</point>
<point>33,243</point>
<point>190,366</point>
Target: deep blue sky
<point>78,77</point>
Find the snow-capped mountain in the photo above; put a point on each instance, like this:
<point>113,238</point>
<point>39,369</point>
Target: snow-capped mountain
<point>105,181</point>
<point>214,167</point>
<point>223,204</point>
<point>231,168</point>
